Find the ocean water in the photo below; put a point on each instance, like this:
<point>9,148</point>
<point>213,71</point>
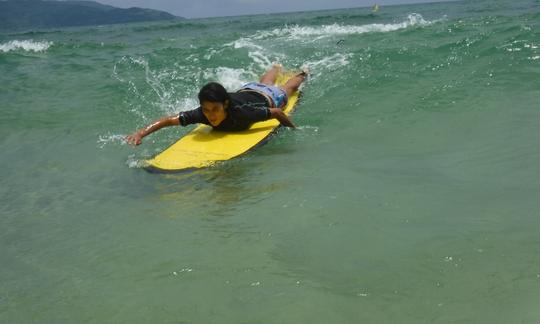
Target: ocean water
<point>409,193</point>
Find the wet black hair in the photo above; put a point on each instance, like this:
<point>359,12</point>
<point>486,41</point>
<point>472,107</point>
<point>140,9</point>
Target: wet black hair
<point>213,92</point>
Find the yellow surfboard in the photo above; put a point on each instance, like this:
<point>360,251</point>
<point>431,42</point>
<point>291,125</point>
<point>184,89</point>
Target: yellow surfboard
<point>203,146</point>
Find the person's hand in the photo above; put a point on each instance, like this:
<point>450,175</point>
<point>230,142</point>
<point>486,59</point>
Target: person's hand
<point>134,139</point>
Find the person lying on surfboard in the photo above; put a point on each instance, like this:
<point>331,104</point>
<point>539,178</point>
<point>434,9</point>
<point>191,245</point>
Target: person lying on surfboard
<point>236,111</point>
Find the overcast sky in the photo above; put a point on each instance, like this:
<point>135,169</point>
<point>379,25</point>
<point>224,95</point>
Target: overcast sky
<point>213,8</point>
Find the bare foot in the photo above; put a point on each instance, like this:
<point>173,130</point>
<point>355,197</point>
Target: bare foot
<point>304,71</point>
<point>277,66</point>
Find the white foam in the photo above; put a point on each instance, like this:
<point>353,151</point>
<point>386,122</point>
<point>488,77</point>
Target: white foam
<point>230,78</point>
<point>25,45</point>
<point>256,52</point>
<point>133,163</point>
<point>263,56</point>
<point>300,32</point>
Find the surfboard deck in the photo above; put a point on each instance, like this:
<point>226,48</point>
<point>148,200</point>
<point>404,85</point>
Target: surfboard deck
<point>203,146</point>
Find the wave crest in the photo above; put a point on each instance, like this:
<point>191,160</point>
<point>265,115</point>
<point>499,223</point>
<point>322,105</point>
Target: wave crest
<point>297,32</point>
<point>25,45</point>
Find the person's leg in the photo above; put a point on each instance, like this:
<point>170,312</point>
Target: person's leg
<point>270,76</point>
<point>294,83</point>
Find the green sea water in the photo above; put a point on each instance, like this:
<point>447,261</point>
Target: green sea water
<point>409,194</point>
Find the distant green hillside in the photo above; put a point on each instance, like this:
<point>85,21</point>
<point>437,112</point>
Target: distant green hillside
<point>25,14</point>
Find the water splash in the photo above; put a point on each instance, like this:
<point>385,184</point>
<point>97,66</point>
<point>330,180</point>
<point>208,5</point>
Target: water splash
<point>105,140</point>
<point>134,163</point>
<point>156,88</point>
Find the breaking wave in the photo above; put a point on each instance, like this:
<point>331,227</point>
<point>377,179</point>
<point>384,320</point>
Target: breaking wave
<point>297,32</point>
<point>25,45</point>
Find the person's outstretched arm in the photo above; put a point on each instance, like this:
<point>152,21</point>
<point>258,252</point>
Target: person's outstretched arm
<point>278,114</point>
<point>136,138</point>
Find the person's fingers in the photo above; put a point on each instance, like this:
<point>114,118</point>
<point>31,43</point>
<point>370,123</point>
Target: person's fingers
<point>131,140</point>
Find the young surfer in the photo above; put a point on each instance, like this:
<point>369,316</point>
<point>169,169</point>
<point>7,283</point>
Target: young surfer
<point>236,111</point>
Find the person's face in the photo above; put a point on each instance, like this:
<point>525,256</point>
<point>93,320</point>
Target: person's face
<point>214,111</point>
